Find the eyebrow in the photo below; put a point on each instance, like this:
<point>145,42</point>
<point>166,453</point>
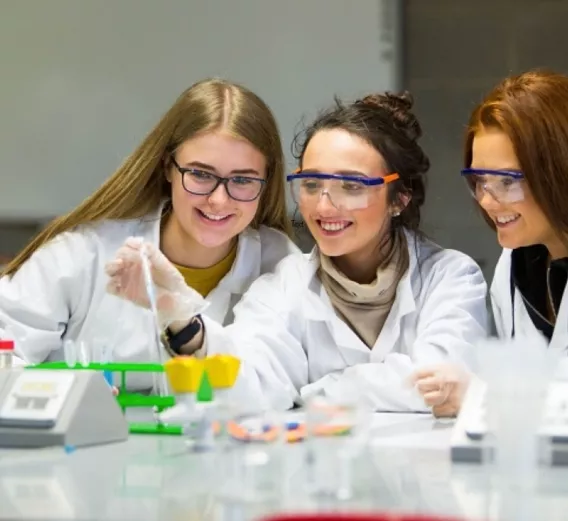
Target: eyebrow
<point>354,173</point>
<point>501,169</point>
<point>205,166</point>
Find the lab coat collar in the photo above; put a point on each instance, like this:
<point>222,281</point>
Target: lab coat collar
<point>246,268</point>
<point>320,307</point>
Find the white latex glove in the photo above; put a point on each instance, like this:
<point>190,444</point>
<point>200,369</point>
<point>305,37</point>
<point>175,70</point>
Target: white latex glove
<point>175,300</point>
<point>443,388</point>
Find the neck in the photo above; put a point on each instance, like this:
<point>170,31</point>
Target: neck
<point>557,248</point>
<point>182,249</point>
<point>361,266</point>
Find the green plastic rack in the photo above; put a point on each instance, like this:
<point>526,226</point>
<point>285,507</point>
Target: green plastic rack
<point>125,399</point>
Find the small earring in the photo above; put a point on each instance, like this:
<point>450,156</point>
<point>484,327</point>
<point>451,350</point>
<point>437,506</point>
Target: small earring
<point>395,213</point>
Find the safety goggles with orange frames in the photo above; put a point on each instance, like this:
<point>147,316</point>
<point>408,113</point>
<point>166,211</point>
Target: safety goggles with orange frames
<point>346,192</point>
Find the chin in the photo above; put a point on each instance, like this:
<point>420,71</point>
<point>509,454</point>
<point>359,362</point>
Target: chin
<point>214,241</point>
<point>331,250</point>
<point>512,243</point>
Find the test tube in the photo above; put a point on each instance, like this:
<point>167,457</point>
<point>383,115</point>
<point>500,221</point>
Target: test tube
<point>252,467</point>
<point>332,444</point>
<point>222,372</point>
<point>518,375</point>
<point>84,354</point>
<point>70,353</point>
<point>6,353</point>
<point>102,353</point>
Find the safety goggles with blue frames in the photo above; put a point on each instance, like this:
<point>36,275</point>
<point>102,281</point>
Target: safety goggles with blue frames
<point>346,192</point>
<point>505,186</point>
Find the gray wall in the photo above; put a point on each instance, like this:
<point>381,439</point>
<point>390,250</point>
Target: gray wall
<point>455,51</point>
<point>87,80</point>
<point>84,81</point>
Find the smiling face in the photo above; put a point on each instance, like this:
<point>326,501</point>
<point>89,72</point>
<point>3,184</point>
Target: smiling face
<point>212,221</point>
<point>350,235</point>
<point>519,223</point>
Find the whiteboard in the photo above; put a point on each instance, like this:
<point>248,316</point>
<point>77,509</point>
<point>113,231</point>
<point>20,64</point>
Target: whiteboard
<point>83,81</point>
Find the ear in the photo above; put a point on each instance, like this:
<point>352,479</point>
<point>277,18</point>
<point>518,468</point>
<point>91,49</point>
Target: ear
<point>398,207</point>
<point>167,165</point>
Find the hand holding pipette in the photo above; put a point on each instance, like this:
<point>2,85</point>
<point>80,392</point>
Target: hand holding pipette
<point>173,299</point>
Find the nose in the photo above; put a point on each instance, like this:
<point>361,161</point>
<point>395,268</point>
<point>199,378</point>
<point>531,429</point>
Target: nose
<point>488,202</point>
<point>219,196</point>
<point>325,205</point>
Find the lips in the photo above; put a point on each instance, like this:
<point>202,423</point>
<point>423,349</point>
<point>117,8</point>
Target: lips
<point>214,217</point>
<point>334,226</point>
<point>504,220</point>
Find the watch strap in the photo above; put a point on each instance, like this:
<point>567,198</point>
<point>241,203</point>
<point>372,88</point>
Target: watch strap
<point>177,340</point>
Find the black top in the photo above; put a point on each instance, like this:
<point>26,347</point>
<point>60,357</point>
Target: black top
<point>529,267</point>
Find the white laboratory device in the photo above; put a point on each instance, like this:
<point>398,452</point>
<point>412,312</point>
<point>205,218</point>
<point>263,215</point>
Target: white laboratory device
<point>58,408</point>
<point>471,437</point>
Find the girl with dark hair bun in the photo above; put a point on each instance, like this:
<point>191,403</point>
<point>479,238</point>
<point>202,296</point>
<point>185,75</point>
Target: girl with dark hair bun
<point>375,300</point>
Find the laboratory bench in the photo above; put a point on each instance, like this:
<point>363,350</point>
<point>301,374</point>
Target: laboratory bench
<point>405,468</point>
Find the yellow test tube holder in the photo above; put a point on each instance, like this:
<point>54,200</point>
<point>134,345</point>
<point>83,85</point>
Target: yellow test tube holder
<point>222,370</point>
<point>185,374</point>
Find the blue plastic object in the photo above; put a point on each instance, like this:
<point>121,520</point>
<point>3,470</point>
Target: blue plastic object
<point>108,377</point>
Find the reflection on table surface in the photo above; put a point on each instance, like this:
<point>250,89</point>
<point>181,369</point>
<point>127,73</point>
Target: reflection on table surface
<point>407,468</point>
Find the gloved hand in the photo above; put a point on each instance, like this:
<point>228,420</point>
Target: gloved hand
<point>443,388</point>
<point>175,300</point>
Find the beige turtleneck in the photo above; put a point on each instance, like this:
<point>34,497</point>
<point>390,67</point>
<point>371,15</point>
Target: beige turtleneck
<point>364,307</point>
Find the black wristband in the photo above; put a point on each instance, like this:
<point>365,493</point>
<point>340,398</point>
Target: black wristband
<point>177,340</point>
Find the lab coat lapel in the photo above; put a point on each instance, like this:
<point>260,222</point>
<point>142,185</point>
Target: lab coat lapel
<point>318,308</point>
<point>403,304</point>
<point>559,340</point>
<point>245,270</point>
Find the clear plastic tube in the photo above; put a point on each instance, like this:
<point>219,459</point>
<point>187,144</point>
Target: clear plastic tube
<point>70,353</point>
<point>518,375</point>
<point>332,444</point>
<point>159,379</point>
<point>6,354</point>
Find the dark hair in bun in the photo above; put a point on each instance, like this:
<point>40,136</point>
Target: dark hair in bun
<point>387,122</point>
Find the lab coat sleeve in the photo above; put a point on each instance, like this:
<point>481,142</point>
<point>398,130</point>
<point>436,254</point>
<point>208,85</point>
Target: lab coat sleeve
<point>452,317</point>
<point>274,366</point>
<point>37,301</point>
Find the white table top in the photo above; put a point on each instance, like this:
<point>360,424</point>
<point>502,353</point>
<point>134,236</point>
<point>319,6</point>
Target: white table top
<point>406,468</point>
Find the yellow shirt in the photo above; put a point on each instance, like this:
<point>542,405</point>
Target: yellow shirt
<point>204,280</point>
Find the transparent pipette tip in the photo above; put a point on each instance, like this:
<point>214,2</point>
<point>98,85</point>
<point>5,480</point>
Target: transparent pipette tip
<point>70,353</point>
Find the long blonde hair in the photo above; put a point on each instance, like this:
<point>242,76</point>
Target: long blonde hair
<point>139,186</point>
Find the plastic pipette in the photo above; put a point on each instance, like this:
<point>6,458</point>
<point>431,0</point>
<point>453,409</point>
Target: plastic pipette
<point>159,378</point>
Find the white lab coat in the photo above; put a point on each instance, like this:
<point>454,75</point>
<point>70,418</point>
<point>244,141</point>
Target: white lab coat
<point>60,292</point>
<point>294,346</point>
<point>502,305</point>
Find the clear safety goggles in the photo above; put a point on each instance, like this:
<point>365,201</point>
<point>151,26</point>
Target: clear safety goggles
<point>505,186</point>
<point>346,192</point>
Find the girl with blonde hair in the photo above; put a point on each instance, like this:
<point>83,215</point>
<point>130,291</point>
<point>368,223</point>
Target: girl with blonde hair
<point>206,188</point>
